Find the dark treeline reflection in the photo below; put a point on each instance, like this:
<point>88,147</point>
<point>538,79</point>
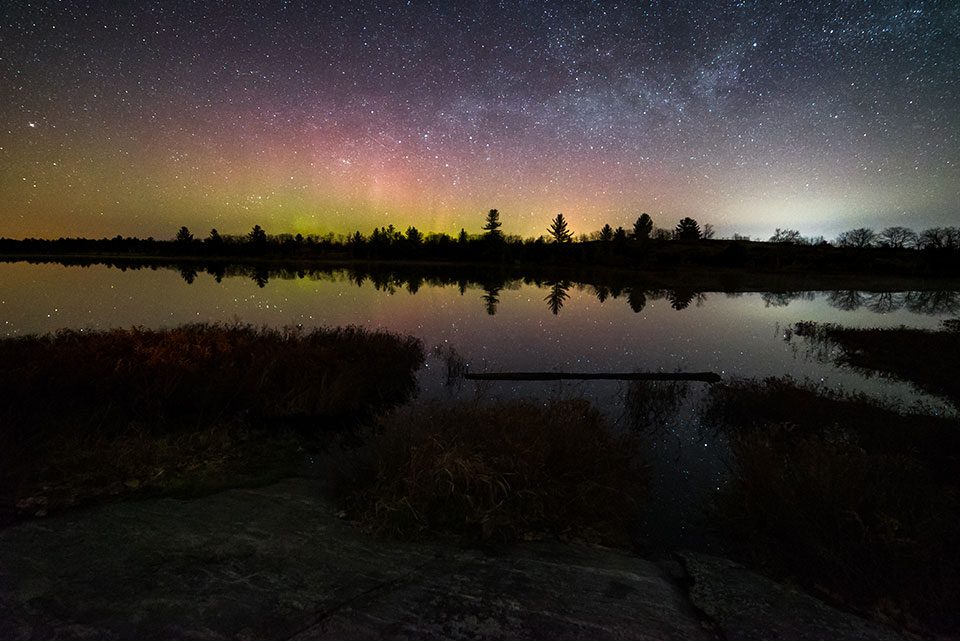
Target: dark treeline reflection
<point>390,281</point>
<point>637,290</point>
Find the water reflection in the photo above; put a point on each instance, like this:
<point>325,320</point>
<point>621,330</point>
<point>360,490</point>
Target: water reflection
<point>557,296</point>
<point>493,280</point>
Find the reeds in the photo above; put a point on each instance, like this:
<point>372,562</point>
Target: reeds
<point>857,501</point>
<point>198,374</point>
<point>92,413</point>
<point>500,471</point>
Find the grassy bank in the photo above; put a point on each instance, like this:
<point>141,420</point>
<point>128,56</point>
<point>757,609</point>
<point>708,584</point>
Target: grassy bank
<point>500,471</point>
<point>86,413</point>
<point>930,359</point>
<point>856,501</point>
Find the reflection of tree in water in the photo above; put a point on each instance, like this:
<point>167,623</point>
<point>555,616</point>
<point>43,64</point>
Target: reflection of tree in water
<point>557,296</point>
<point>358,278</point>
<point>846,300</point>
<point>188,274</point>
<point>651,404</point>
<point>462,286</point>
<point>383,283</point>
<point>217,271</point>
<point>413,284</point>
<point>637,300</point>
<point>933,302</point>
<point>782,299</point>
<point>681,298</point>
<point>261,277</point>
<point>602,293</point>
<point>884,302</point>
<point>491,298</point>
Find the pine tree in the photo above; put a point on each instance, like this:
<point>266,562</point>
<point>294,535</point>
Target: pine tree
<point>687,229</point>
<point>642,227</point>
<point>492,226</point>
<point>559,231</point>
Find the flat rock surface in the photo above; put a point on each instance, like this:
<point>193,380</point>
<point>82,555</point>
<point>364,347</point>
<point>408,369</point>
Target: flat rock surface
<point>276,563</point>
<point>748,607</point>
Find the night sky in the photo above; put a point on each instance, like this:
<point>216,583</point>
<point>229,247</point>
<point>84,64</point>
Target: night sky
<point>138,117</point>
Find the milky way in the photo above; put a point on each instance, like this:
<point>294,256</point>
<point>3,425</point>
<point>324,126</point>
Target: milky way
<point>137,117</point>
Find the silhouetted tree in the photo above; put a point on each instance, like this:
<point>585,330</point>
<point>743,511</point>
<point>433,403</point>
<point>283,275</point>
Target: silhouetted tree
<point>462,238</point>
<point>493,224</point>
<point>786,236</point>
<point>606,233</point>
<point>898,237</point>
<point>687,229</point>
<point>257,236</point>
<point>708,232</point>
<point>184,235</point>
<point>559,231</point>
<point>557,296</point>
<point>642,227</point>
<point>933,238</point>
<point>860,237</point>
<point>662,234</point>
<point>414,237</point>
<point>620,235</point>
<point>214,239</point>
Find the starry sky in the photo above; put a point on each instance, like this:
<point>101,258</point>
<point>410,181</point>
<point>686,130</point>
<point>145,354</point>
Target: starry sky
<point>136,117</point>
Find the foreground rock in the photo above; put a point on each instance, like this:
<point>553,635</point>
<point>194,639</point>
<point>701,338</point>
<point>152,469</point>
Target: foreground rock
<point>748,607</point>
<point>276,563</point>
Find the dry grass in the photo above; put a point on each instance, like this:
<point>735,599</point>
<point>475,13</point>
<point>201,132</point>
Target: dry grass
<point>201,374</point>
<point>929,359</point>
<point>83,414</point>
<point>858,501</point>
<point>501,471</point>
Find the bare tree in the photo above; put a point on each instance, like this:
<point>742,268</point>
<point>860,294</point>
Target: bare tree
<point>860,237</point>
<point>787,236</point>
<point>933,238</point>
<point>898,237</point>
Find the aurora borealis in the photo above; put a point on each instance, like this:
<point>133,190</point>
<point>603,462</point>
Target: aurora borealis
<point>137,117</point>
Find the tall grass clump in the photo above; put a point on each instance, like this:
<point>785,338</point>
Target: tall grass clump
<point>857,501</point>
<point>201,373</point>
<point>500,471</point>
<point>928,358</point>
<point>92,413</point>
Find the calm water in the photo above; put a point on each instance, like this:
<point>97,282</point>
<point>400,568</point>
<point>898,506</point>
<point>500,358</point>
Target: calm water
<point>732,334</point>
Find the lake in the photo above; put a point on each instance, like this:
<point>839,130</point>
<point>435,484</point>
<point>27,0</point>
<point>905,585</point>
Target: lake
<point>508,326</point>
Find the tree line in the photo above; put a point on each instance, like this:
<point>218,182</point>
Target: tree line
<point>640,246</point>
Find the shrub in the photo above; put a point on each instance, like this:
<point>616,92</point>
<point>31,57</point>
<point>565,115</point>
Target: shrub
<point>86,414</point>
<point>503,471</point>
<point>859,501</point>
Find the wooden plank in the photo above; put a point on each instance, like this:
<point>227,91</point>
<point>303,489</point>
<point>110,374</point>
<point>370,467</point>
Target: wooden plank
<point>704,377</point>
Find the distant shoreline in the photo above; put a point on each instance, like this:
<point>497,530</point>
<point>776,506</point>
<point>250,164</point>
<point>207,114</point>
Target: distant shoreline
<point>692,276</point>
